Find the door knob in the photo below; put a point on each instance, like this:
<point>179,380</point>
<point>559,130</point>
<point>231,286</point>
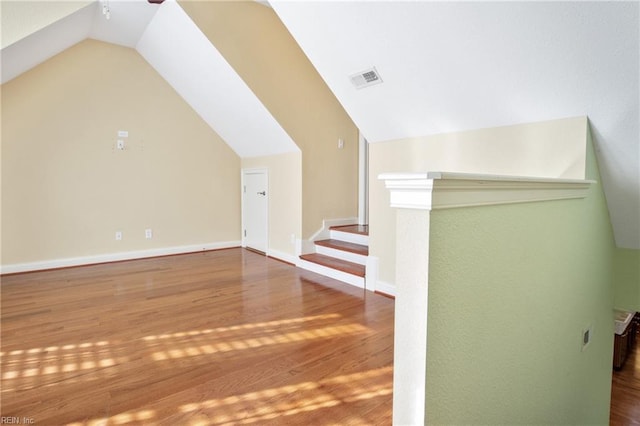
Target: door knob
<point>262,193</point>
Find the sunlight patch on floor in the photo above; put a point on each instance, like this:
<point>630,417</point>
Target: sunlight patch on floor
<point>243,327</point>
<point>22,366</point>
<point>238,345</point>
<point>290,400</point>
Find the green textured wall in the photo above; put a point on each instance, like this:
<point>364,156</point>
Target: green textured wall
<point>510,290</point>
<point>626,279</point>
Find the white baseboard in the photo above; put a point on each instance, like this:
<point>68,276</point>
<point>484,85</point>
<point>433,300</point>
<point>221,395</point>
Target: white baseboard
<point>373,283</point>
<point>285,257</point>
<point>113,257</point>
<point>386,288</point>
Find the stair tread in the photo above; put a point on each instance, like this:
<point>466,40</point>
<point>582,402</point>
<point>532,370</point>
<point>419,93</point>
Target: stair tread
<point>335,263</point>
<point>352,229</point>
<point>344,246</point>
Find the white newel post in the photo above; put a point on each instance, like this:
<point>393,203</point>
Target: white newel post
<point>411,194</point>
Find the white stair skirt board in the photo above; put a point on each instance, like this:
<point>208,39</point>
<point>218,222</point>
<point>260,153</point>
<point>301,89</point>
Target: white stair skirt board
<point>331,273</point>
<point>280,255</point>
<point>307,246</point>
<point>114,257</point>
<point>349,237</point>
<point>342,254</point>
<point>323,233</point>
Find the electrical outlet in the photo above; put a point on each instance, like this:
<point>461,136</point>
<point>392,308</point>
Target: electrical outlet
<point>118,235</point>
<point>587,336</point>
<point>120,144</point>
<point>148,234</point>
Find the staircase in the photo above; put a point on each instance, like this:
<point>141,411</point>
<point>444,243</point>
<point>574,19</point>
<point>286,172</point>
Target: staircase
<point>343,256</point>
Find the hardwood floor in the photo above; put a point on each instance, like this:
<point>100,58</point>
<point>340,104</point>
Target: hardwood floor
<point>215,338</point>
<point>625,392</point>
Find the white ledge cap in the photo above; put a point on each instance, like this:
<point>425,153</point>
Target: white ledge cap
<point>440,190</point>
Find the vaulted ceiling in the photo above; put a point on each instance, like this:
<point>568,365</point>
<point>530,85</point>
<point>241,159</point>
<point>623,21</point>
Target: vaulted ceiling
<point>445,66</point>
<point>170,42</point>
<point>453,66</point>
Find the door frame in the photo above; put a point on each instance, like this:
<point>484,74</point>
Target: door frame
<point>363,180</point>
<point>243,173</point>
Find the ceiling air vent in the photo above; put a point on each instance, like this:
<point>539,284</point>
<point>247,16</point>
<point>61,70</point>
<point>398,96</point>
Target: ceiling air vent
<point>366,78</point>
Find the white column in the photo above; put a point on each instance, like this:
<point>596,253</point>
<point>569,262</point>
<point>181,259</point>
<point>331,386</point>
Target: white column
<point>412,195</point>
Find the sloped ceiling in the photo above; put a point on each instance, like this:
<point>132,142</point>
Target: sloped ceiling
<point>446,66</point>
<point>167,38</point>
<point>452,66</point>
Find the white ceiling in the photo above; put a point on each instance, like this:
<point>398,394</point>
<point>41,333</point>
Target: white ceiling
<point>170,42</point>
<point>446,66</point>
<point>187,60</point>
<point>451,66</point>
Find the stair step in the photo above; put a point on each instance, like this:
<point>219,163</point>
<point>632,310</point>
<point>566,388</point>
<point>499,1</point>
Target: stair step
<point>352,229</point>
<point>332,262</point>
<point>355,234</point>
<point>344,246</point>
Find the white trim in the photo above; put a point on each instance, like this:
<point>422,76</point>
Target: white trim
<point>386,288</point>
<point>285,257</point>
<point>363,180</point>
<point>443,190</point>
<point>323,233</point>
<point>371,278</point>
<point>331,273</point>
<point>114,257</point>
<point>349,237</point>
<point>342,254</point>
<point>372,269</point>
<point>308,246</point>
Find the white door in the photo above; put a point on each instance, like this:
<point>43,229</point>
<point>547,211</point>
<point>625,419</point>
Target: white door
<point>254,209</point>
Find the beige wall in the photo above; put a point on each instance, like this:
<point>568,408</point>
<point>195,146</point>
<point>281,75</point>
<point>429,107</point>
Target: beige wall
<point>254,41</point>
<point>66,190</point>
<point>285,201</point>
<point>547,149</point>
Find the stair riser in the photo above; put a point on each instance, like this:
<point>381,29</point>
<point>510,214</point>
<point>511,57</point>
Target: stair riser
<point>341,254</point>
<point>332,273</point>
<point>349,237</point>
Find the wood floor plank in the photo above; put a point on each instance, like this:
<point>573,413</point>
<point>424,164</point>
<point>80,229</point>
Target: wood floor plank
<point>625,392</point>
<point>353,229</point>
<point>221,337</point>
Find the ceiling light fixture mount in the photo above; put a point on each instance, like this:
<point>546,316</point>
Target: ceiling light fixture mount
<point>106,9</point>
